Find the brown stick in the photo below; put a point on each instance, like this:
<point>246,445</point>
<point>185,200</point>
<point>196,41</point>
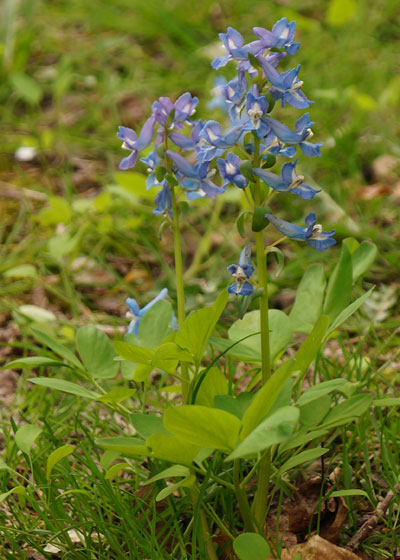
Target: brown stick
<point>7,190</point>
<point>367,527</point>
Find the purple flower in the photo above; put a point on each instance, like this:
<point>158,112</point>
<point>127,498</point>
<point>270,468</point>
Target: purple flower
<point>312,234</point>
<point>195,179</point>
<point>135,144</point>
<point>136,314</point>
<point>234,93</point>
<point>229,169</point>
<point>256,108</point>
<point>287,182</point>
<point>233,43</point>
<point>281,36</point>
<point>163,201</point>
<point>185,106</point>
<point>214,143</point>
<point>185,143</point>
<point>286,86</point>
<point>241,272</point>
<point>301,136</point>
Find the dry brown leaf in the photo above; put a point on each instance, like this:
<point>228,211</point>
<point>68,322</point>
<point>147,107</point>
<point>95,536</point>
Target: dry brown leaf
<point>317,548</point>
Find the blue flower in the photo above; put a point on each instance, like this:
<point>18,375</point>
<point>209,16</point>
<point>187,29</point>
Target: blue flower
<point>163,201</point>
<point>214,143</point>
<point>184,106</point>
<point>287,182</point>
<point>241,272</point>
<point>256,108</point>
<point>286,86</point>
<point>185,143</point>
<point>229,170</point>
<point>301,136</point>
<point>133,143</point>
<point>234,93</point>
<point>280,36</point>
<point>136,314</point>
<point>233,43</point>
<point>312,234</point>
<point>195,179</point>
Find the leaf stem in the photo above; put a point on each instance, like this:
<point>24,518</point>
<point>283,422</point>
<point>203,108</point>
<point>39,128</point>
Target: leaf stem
<point>242,498</point>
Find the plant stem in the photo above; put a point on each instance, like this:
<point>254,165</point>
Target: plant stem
<point>261,496</point>
<point>241,498</point>
<point>180,290</point>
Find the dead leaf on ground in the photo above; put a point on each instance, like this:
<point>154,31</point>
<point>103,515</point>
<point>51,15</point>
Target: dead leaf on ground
<point>317,548</point>
<point>384,167</point>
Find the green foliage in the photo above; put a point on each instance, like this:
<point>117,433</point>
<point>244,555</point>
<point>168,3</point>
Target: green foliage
<point>251,546</point>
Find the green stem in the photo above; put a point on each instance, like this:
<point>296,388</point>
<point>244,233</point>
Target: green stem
<point>180,289</point>
<point>241,498</point>
<point>261,496</point>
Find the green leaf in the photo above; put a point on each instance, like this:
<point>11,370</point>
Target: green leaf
<point>25,437</point>
<point>251,546</point>
<point>21,271</point>
<point>36,313</point>
<point>171,472</point>
<point>35,361</point>
<point>185,483</point>
<point>348,410</point>
<point>134,353</point>
<point>240,222</point>
<point>303,457</point>
<point>388,401</point>
<point>346,313</point>
<point>235,405</point>
<point>58,211</point>
<point>213,384</point>
<point>300,438</point>
<point>56,456</point>
<point>198,327</point>
<point>273,430</point>
<point>362,258</point>
<point>280,335</point>
<point>96,352</point>
<point>259,221</point>
<point>206,427</point>
<point>57,348</point>
<point>265,398</point>
<point>313,412</point>
<point>351,492</point>
<point>128,446</point>
<point>339,286</point>
<point>172,448</point>
<point>117,395</point>
<point>308,350</point>
<point>115,469</point>
<point>340,12</point>
<point>65,386</point>
<point>319,390</point>
<point>20,490</point>
<point>146,424</point>
<point>27,88</point>
<point>307,307</point>
<point>155,324</point>
<point>167,356</point>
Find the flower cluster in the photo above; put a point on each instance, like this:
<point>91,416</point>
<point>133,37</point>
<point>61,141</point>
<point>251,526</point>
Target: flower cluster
<point>203,158</point>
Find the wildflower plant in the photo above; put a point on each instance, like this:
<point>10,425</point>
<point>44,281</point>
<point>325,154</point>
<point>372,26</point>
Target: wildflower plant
<point>217,438</point>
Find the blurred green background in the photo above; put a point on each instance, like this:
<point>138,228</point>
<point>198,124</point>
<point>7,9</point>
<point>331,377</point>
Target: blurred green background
<point>77,235</point>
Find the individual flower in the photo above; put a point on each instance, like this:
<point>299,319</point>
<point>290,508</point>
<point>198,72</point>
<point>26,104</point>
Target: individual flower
<point>281,36</point>
<point>184,106</point>
<point>288,181</point>
<point>241,273</point>
<point>312,234</point>
<point>301,136</point>
<point>233,43</point>
<point>135,144</point>
<point>234,93</point>
<point>229,170</point>
<point>163,201</point>
<point>256,108</point>
<point>185,142</point>
<point>213,143</point>
<point>285,86</point>
<point>194,179</point>
<point>136,314</point>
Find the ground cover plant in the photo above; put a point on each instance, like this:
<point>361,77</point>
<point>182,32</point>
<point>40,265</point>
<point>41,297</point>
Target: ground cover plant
<point>199,435</point>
